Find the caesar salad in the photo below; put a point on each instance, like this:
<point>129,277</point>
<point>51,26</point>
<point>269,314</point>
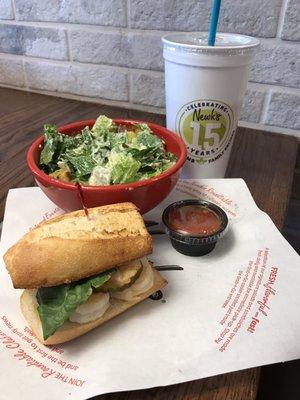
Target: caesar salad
<point>106,154</point>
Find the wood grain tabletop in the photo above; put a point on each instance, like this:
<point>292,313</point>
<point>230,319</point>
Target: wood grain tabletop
<point>264,160</point>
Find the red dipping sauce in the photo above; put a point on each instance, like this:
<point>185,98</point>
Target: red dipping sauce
<point>194,220</point>
<point>194,226</point>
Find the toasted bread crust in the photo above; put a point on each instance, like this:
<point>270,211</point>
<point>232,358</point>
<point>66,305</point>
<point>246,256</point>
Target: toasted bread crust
<point>72,330</point>
<point>71,247</point>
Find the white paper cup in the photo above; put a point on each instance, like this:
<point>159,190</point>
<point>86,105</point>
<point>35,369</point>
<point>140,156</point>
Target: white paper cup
<point>205,86</point>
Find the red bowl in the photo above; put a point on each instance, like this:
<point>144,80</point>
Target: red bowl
<point>144,194</point>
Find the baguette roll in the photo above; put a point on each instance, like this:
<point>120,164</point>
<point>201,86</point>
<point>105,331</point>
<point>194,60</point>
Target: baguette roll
<point>73,246</point>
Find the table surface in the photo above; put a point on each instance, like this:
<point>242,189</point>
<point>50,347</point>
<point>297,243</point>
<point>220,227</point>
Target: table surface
<point>264,160</point>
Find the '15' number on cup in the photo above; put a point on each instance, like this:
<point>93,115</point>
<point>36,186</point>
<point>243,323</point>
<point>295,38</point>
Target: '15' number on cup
<point>207,135</point>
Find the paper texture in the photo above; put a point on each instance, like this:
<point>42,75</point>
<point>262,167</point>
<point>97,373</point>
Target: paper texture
<point>235,308</point>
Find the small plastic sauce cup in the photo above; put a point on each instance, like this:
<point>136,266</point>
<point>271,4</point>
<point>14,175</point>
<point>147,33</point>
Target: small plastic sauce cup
<point>194,226</point>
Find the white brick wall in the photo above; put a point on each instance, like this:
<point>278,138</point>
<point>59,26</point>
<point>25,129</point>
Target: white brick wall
<point>110,51</point>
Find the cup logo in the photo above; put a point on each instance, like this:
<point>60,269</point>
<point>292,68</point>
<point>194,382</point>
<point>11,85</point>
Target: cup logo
<point>206,127</point>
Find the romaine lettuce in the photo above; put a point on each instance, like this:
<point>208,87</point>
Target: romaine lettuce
<point>53,142</point>
<point>123,167</point>
<point>102,125</point>
<point>57,303</point>
<point>106,154</point>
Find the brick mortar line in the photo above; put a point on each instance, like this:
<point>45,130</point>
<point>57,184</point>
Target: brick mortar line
<point>265,107</point>
<point>121,30</point>
<point>127,15</point>
<point>95,100</point>
<point>69,47</point>
<point>280,24</point>
<point>68,62</point>
<point>12,2</point>
<point>270,86</point>
<point>130,86</point>
<point>24,74</point>
<point>71,25</point>
<point>155,74</point>
<point>270,128</point>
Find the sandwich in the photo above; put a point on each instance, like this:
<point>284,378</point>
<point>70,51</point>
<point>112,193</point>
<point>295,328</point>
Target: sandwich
<point>79,271</point>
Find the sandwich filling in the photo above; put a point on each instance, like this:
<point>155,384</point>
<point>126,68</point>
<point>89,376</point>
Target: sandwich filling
<point>88,299</point>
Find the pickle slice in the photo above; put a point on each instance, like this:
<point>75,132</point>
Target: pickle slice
<point>123,277</point>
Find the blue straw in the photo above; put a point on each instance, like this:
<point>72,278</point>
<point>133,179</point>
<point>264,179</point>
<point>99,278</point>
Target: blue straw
<point>214,22</point>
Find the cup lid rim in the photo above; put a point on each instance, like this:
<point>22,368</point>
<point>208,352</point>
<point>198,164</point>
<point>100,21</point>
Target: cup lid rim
<point>188,42</point>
